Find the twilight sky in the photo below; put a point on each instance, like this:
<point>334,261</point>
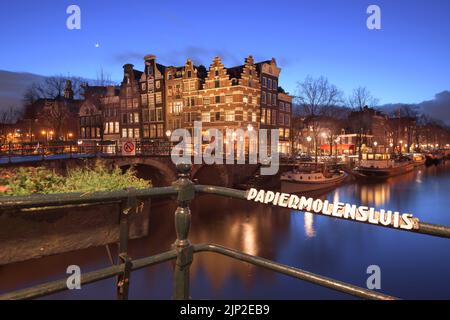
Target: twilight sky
<point>408,60</point>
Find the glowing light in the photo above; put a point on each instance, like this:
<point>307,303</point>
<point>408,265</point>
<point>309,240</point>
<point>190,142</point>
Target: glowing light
<point>250,128</point>
<point>168,133</point>
<point>308,139</point>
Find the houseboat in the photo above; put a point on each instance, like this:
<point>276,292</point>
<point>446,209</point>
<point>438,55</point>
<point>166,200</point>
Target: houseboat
<point>311,177</point>
<point>382,166</point>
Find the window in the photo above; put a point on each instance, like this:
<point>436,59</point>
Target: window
<point>281,118</point>
<point>158,97</point>
<point>253,116</point>
<point>124,133</point>
<point>189,74</point>
<point>268,116</point>
<point>269,98</point>
<point>287,120</point>
<point>83,132</point>
<point>288,107</point>
<point>116,127</point>
<point>169,76</point>
<point>217,84</point>
<point>216,73</point>
<point>136,133</point>
<point>151,101</point>
<point>206,101</point>
<point>274,117</point>
<point>281,106</point>
<point>144,99</point>
<point>263,97</point>
<point>217,99</point>
<point>146,131</point>
<point>286,133</point>
<point>159,130</point>
<point>136,117</point>
<point>159,114</point>
<point>124,118</point>
<point>269,83</point>
<point>274,99</point>
<point>177,107</point>
<point>153,131</point>
<point>245,99</point>
<point>158,84</point>
<point>263,115</point>
<point>130,118</point>
<point>264,81</point>
<point>152,115</point>
<point>135,103</point>
<point>228,98</point>
<point>144,87</point>
<point>275,87</point>
<point>205,117</point>
<point>281,132</point>
<point>145,115</point>
<point>130,132</point>
<point>229,116</point>
<point>217,116</point>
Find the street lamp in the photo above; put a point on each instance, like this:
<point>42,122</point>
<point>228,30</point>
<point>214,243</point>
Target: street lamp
<point>309,144</point>
<point>250,128</point>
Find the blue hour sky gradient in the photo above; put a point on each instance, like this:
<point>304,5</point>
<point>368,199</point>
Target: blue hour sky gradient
<point>408,60</point>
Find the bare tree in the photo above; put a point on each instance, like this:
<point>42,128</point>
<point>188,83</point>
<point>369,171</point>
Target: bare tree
<point>8,116</point>
<point>103,79</point>
<point>52,88</point>
<point>359,99</point>
<point>314,96</point>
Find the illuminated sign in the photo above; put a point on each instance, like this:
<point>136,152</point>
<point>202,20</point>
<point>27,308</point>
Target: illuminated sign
<point>341,210</point>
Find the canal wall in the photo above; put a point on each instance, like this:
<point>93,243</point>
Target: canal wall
<point>30,234</point>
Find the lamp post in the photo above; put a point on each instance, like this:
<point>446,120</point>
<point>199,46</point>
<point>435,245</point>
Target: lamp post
<point>375,147</point>
<point>309,144</point>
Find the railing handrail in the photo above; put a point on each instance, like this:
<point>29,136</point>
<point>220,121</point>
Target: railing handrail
<point>182,250</point>
<point>37,201</point>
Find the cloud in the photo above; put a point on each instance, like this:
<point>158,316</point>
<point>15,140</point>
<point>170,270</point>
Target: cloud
<point>13,86</point>
<point>438,108</point>
<point>199,55</point>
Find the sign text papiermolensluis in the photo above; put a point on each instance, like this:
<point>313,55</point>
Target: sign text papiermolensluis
<point>388,218</point>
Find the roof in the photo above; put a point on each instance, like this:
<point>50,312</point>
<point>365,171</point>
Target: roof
<point>235,72</point>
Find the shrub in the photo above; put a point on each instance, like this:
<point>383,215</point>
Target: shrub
<point>26,181</point>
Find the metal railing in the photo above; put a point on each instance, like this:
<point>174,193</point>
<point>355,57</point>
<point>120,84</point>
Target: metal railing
<point>182,250</point>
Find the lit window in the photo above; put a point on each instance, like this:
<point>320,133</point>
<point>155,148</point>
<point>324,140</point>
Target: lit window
<point>136,117</point>
<point>136,132</point>
<point>229,116</point>
<point>206,101</point>
<point>245,99</point>
<point>228,98</point>
<point>124,133</point>
<point>206,117</point>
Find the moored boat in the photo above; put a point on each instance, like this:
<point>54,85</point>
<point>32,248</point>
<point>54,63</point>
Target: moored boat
<point>310,179</point>
<point>381,167</point>
<point>418,159</point>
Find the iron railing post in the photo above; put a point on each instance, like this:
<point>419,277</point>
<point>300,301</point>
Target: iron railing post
<point>123,280</point>
<point>185,250</point>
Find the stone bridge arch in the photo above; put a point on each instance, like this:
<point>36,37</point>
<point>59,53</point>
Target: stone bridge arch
<point>216,174</point>
<point>161,171</point>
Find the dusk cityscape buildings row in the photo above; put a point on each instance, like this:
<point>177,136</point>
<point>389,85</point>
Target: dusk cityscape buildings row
<point>148,105</point>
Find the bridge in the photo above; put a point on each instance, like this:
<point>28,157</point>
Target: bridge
<point>182,251</point>
<point>151,162</point>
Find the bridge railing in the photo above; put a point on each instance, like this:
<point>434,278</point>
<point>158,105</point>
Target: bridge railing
<point>182,251</point>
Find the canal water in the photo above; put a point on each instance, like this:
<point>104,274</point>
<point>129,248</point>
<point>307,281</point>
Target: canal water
<point>412,266</point>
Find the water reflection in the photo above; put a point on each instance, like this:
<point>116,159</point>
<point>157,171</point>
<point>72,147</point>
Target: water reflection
<point>309,225</point>
<point>330,247</point>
